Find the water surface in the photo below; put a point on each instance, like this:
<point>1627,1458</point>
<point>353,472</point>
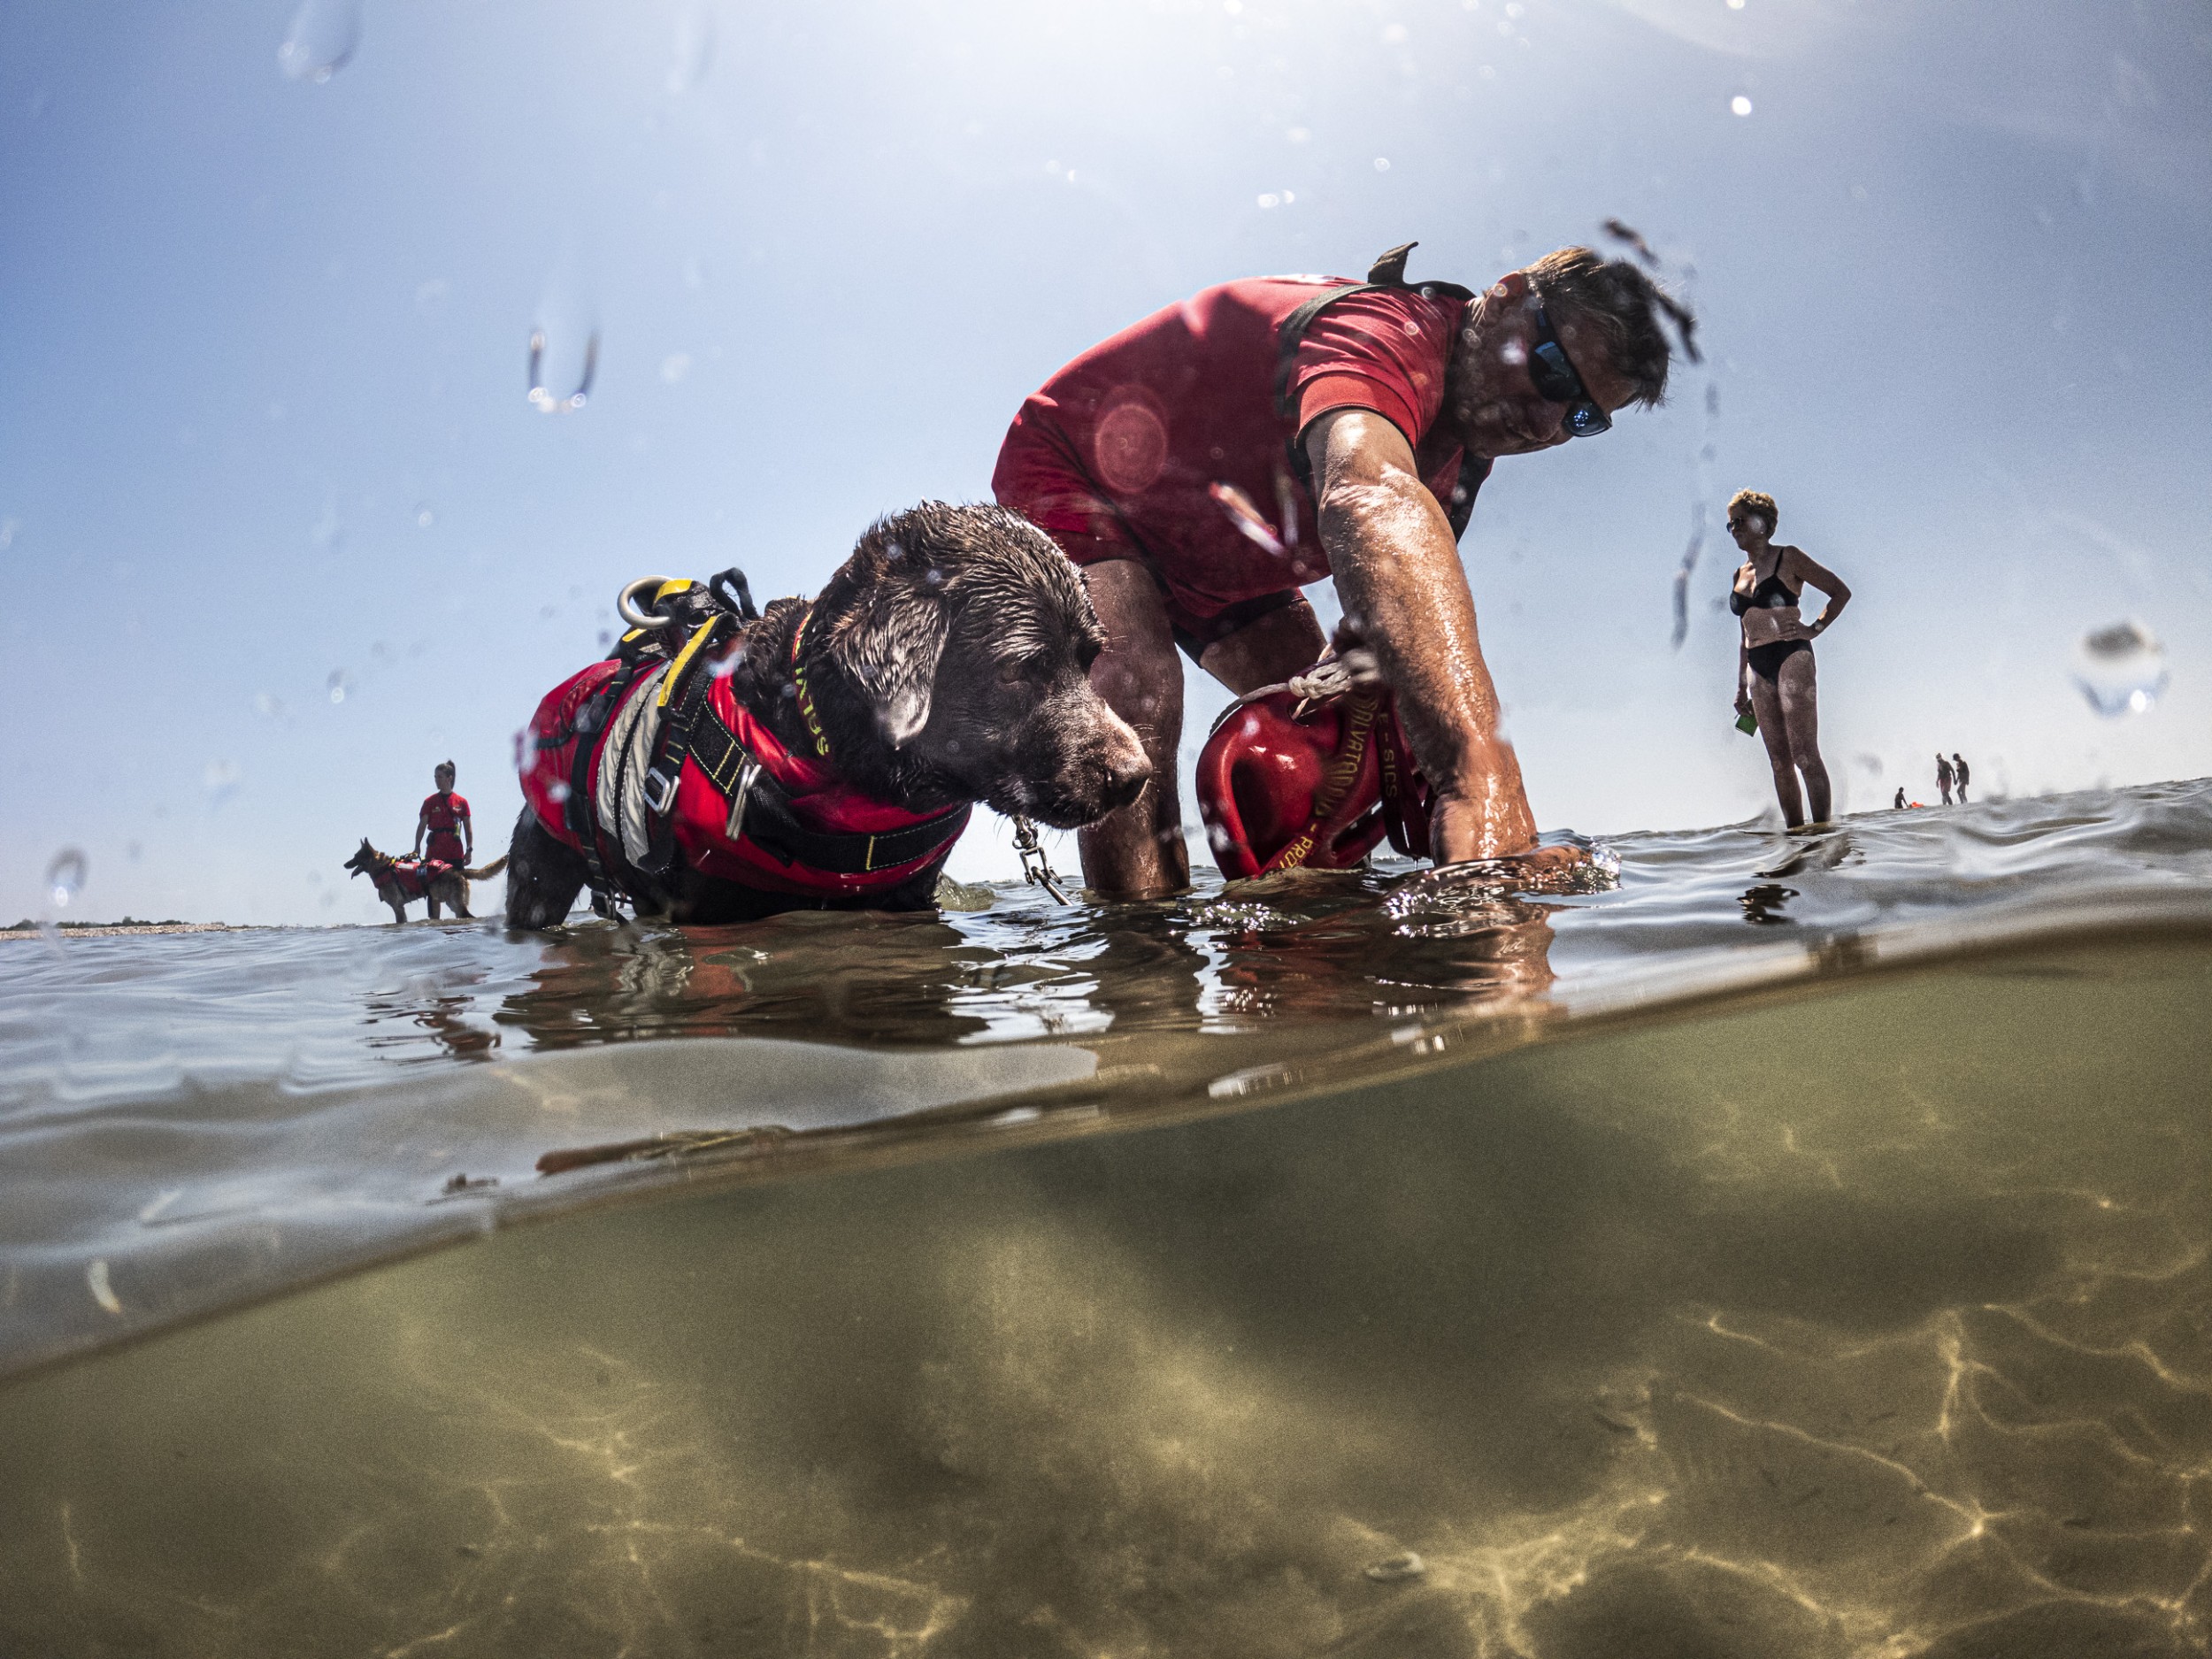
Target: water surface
<point>1799,1250</point>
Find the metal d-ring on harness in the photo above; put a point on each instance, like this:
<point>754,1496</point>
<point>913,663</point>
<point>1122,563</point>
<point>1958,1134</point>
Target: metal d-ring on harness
<point>1036,868</point>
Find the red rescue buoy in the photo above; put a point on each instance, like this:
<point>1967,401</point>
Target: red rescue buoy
<point>1289,781</point>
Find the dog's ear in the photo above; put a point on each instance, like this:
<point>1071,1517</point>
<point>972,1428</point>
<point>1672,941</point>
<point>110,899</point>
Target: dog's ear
<point>888,641</point>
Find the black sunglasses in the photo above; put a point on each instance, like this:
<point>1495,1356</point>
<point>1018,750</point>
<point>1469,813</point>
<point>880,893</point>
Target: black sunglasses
<point>1556,383</point>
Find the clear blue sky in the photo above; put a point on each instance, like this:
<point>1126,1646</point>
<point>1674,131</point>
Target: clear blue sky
<point>262,348</point>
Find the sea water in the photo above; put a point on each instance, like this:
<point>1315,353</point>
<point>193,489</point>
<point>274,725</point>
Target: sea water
<point>1804,1249</point>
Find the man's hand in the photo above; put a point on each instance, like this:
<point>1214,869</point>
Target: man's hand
<point>1406,598</point>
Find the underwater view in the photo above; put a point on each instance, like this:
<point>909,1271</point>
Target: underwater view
<point>1255,829</point>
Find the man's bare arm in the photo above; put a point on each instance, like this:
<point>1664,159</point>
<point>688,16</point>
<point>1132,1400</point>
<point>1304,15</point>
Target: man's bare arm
<point>1398,572</point>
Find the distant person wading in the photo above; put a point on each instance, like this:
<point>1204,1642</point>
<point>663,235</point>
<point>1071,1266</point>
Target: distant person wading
<point>1774,664</point>
<point>1944,777</point>
<point>444,818</point>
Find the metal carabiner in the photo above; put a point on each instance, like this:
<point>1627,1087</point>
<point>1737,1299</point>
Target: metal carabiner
<point>1036,868</point>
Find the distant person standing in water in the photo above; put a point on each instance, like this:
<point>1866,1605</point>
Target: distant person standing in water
<point>1774,664</point>
<point>1943,777</point>
<point>445,818</point>
<point>1898,805</point>
<point>1958,774</point>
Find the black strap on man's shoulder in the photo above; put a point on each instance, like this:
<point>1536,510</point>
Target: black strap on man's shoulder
<point>1387,272</point>
<point>768,821</point>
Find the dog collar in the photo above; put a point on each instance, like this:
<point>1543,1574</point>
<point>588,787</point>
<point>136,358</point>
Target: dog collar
<point>806,698</point>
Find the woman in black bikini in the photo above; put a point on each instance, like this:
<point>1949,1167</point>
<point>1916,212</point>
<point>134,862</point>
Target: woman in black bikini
<point>1774,664</point>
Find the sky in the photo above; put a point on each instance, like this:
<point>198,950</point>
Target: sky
<point>279,527</point>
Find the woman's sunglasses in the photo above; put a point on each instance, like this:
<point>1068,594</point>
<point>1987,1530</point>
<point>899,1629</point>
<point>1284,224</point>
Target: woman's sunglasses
<point>1556,383</point>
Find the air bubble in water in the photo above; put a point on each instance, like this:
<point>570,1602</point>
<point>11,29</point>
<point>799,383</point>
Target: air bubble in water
<point>2120,669</point>
<point>325,35</point>
<point>694,49</point>
<point>65,877</point>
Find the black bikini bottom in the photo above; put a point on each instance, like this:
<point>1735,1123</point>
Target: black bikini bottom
<point>1766,660</point>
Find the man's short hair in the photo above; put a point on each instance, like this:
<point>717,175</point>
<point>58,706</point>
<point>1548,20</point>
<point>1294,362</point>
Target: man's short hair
<point>1624,307</point>
<point>1760,502</point>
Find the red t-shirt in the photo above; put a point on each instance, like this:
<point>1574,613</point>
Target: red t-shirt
<point>444,812</point>
<point>1142,446</point>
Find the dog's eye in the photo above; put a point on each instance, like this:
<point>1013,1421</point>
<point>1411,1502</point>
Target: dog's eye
<point>1013,673</point>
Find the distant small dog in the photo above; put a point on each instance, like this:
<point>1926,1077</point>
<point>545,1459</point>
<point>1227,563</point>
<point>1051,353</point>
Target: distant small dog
<point>400,881</point>
<point>722,766</point>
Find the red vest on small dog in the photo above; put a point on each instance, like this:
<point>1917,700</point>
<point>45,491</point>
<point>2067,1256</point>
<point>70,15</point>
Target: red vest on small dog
<point>413,876</point>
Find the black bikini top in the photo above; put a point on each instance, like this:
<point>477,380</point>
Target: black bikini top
<point>1773,593</point>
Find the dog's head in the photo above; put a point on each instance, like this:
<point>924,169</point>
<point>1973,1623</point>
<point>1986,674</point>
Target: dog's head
<point>969,636</point>
<point>367,860</point>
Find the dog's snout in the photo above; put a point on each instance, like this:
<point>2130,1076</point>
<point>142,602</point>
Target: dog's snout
<point>1127,772</point>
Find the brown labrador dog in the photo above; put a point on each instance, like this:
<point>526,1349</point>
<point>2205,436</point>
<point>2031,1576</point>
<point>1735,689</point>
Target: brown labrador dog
<point>947,662</point>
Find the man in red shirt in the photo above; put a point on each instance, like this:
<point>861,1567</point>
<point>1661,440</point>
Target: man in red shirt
<point>1206,462</point>
<point>445,816</point>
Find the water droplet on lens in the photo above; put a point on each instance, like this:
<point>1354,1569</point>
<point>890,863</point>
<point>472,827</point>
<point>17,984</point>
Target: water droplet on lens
<point>556,792</point>
<point>675,365</point>
<point>563,344</point>
<point>340,683</point>
<point>1382,164</point>
<point>694,49</point>
<point>324,37</point>
<point>220,778</point>
<point>2120,669</point>
<point>1739,104</point>
<point>425,515</point>
<point>65,877</point>
<point>329,533</point>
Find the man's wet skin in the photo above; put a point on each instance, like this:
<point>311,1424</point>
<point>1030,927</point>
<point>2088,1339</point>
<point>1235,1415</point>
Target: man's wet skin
<point>1398,571</point>
<point>1390,544</point>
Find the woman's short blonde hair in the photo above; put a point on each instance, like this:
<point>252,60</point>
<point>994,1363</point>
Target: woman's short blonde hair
<point>1760,502</point>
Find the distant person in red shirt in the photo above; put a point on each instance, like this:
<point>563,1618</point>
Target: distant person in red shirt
<point>1206,462</point>
<point>445,816</point>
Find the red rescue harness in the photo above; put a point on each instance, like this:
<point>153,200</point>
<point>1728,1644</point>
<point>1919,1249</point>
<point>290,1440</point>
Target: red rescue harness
<point>413,876</point>
<point>1288,780</point>
<point>723,788</point>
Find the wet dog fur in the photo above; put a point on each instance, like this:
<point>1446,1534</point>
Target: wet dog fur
<point>949,661</point>
<point>451,889</point>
